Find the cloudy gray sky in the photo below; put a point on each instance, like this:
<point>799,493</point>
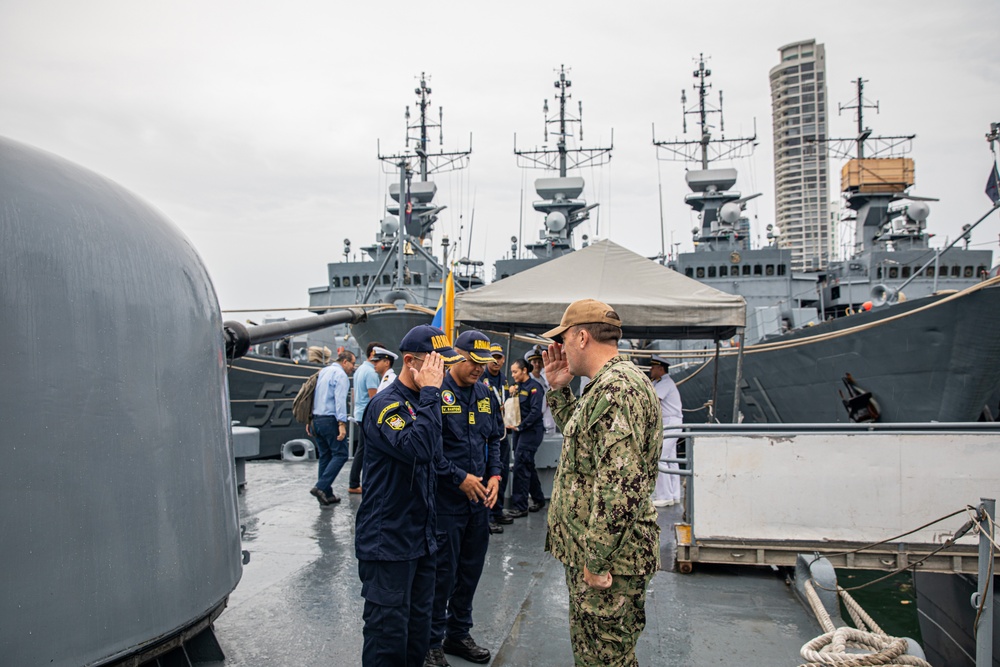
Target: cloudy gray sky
<point>254,125</point>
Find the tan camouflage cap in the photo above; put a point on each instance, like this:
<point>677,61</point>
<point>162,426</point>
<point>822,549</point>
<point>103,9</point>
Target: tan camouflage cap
<point>584,311</point>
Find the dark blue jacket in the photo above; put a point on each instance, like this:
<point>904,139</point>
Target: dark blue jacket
<point>531,396</point>
<point>498,392</point>
<point>470,436</point>
<point>396,518</point>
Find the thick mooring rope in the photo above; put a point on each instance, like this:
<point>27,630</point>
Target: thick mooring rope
<point>871,645</point>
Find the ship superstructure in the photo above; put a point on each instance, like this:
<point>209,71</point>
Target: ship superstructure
<point>400,270</point>
<point>561,200</point>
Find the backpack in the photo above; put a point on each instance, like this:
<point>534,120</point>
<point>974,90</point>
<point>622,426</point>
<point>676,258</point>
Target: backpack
<point>302,406</point>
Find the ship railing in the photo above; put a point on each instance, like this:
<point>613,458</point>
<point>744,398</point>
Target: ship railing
<point>759,494</point>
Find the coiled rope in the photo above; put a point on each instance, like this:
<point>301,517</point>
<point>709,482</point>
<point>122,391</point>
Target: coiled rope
<point>831,647</point>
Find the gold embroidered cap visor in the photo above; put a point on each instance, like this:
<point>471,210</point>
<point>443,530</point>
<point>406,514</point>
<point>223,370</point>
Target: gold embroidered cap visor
<point>584,311</point>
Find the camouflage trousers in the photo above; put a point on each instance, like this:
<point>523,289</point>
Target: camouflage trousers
<point>604,625</point>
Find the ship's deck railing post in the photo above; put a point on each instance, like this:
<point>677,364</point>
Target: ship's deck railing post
<point>984,597</point>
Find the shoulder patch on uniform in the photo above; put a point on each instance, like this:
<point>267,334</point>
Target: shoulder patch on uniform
<point>391,406</point>
<point>396,423</point>
<point>484,405</point>
<point>534,390</point>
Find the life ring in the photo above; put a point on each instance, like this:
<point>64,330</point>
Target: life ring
<point>290,450</point>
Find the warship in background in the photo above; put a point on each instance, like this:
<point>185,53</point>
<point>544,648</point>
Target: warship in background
<point>845,343</point>
<point>400,280</point>
<point>560,196</point>
<point>397,285</point>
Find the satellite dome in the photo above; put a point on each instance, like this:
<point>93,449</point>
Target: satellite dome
<point>918,211</point>
<point>555,221</point>
<point>731,212</point>
<point>390,225</point>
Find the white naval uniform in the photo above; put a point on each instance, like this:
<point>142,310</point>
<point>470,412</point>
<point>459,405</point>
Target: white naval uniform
<point>668,487</point>
<point>387,379</point>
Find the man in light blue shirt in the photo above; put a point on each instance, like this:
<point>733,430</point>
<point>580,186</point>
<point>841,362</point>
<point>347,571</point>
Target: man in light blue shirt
<point>329,424</point>
<point>366,380</point>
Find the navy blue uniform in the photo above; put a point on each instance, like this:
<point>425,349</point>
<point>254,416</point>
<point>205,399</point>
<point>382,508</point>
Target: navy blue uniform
<point>471,438</point>
<point>395,540</point>
<point>527,438</point>
<point>498,391</point>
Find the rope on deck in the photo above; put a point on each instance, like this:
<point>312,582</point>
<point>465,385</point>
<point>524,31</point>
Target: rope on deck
<point>871,645</point>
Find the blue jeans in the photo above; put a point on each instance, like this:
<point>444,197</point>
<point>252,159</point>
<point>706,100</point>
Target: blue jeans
<point>332,452</point>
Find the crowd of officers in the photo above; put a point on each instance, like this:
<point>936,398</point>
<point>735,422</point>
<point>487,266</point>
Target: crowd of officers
<point>436,453</point>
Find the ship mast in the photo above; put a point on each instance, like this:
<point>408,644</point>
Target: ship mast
<point>723,225</point>
<point>701,150</point>
<point>563,158</point>
<point>414,208</point>
<point>560,196</point>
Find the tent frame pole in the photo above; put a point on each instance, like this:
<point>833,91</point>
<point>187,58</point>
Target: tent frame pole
<point>713,411</point>
<point>739,375</point>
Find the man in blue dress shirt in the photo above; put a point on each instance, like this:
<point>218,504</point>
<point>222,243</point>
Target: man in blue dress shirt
<point>468,477</point>
<point>329,424</point>
<point>366,380</point>
<point>394,536</point>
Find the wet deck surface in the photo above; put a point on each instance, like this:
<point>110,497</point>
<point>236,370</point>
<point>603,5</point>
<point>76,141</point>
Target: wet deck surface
<point>299,600</point>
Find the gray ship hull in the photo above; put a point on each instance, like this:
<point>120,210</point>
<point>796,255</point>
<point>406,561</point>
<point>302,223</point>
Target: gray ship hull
<point>934,364</point>
<point>947,618</point>
<point>261,391</point>
<point>388,327</point>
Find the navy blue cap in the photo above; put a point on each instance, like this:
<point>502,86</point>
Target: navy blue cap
<point>476,344</point>
<point>424,339</point>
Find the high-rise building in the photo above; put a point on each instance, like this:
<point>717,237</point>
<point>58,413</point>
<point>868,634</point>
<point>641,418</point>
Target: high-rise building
<point>801,162</point>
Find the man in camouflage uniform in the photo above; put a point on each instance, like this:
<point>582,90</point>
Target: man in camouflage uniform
<point>602,524</point>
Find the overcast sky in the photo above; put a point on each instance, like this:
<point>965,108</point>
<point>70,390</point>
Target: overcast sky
<point>254,125</point>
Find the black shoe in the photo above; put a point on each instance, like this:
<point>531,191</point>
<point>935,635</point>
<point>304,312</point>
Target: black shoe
<point>466,648</point>
<point>333,498</point>
<point>534,506</point>
<point>502,518</point>
<point>435,658</point>
<point>495,528</point>
<point>515,514</point>
<point>320,496</point>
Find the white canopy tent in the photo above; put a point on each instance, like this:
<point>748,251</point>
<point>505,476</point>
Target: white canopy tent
<point>652,300</point>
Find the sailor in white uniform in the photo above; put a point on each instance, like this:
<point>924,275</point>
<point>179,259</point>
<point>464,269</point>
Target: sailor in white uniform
<point>668,487</point>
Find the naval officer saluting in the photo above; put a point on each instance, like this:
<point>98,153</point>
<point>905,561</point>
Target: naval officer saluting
<point>395,539</point>
<point>468,472</point>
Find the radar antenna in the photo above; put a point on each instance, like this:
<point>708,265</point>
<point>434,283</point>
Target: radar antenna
<point>429,163</point>
<point>706,149</point>
<point>563,158</point>
<point>864,144</point>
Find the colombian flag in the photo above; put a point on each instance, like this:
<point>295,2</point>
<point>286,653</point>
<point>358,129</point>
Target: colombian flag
<point>444,317</point>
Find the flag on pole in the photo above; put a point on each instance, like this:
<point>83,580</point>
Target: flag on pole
<point>444,317</point>
<point>993,185</point>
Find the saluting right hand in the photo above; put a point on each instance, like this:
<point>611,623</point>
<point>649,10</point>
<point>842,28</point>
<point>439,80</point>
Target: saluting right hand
<point>556,366</point>
<point>431,373</point>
